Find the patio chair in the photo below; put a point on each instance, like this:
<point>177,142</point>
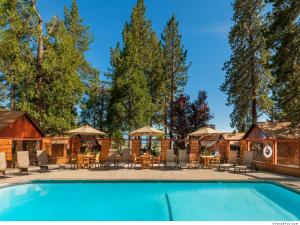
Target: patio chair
<point>42,159</point>
<point>73,160</point>
<point>136,160</point>
<point>81,161</point>
<point>231,162</point>
<point>247,164</point>
<point>124,158</point>
<point>182,159</point>
<point>97,160</point>
<point>170,159</point>
<point>23,162</point>
<point>3,164</point>
<point>156,160</point>
<point>193,160</point>
<point>215,161</point>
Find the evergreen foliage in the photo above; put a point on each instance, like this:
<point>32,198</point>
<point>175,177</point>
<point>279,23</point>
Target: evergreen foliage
<point>284,41</point>
<point>247,77</point>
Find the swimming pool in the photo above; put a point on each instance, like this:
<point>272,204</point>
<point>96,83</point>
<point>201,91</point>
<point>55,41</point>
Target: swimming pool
<point>149,201</point>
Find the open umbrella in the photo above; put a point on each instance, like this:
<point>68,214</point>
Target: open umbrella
<point>150,131</point>
<point>204,131</point>
<point>86,130</point>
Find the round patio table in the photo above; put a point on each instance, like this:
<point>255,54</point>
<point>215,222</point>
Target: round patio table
<point>206,160</point>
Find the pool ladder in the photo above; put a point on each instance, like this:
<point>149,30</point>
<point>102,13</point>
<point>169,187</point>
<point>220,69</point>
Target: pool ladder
<point>169,207</point>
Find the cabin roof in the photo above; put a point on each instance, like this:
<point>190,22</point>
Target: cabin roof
<point>277,130</point>
<point>9,117</point>
<point>233,136</point>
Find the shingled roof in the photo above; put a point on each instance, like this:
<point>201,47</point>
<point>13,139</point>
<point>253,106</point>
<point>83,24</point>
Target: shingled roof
<point>233,136</point>
<point>9,117</point>
<point>278,130</point>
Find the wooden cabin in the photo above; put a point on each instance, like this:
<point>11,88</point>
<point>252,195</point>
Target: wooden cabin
<point>18,132</point>
<point>282,138</point>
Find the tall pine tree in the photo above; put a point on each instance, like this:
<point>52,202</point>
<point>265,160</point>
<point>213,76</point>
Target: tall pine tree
<point>284,40</point>
<point>247,78</point>
<point>175,69</point>
<point>130,103</point>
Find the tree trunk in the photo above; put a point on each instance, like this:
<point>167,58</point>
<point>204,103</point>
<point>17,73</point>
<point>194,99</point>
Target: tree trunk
<point>40,52</point>
<point>171,105</point>
<point>12,97</point>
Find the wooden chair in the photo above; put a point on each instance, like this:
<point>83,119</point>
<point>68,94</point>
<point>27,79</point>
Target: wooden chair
<point>215,161</point>
<point>156,160</point>
<point>81,161</point>
<point>136,160</point>
<point>73,160</point>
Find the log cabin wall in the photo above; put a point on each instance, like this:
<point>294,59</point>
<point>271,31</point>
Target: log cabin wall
<point>6,147</point>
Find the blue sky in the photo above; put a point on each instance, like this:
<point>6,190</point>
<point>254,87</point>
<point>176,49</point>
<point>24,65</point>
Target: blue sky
<point>204,25</point>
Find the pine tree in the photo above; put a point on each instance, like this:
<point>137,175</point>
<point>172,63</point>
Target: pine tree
<point>155,80</point>
<point>94,105</point>
<point>41,64</point>
<point>247,78</point>
<point>175,68</point>
<point>15,53</point>
<point>284,41</point>
<point>130,103</point>
<point>83,39</point>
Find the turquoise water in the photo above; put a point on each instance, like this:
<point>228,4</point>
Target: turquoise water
<point>149,201</point>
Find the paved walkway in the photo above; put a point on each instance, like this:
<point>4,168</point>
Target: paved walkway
<point>148,174</point>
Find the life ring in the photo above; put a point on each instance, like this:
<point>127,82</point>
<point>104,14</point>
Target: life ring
<point>267,151</point>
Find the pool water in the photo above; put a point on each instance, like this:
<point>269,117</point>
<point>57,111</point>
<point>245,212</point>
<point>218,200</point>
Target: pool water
<point>149,201</point>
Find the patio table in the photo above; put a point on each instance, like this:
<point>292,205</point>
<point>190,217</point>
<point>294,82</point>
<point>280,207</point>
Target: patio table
<point>206,159</point>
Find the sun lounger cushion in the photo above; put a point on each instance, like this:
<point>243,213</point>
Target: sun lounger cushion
<point>42,157</point>
<point>23,159</point>
<point>3,164</point>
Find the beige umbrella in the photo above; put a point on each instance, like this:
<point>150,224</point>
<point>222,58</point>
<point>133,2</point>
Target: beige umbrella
<point>146,131</point>
<point>86,130</point>
<point>204,131</point>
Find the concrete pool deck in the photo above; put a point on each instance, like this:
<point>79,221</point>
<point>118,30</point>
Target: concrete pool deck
<point>148,174</point>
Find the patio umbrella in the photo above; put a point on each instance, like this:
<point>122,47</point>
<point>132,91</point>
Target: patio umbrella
<point>150,131</point>
<point>86,130</point>
<point>204,131</point>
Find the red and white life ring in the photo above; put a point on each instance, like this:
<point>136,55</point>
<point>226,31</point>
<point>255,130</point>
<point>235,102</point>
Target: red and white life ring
<point>267,151</point>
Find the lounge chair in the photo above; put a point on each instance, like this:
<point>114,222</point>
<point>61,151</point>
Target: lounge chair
<point>23,162</point>
<point>42,158</point>
<point>247,164</point>
<point>182,159</point>
<point>110,159</point>
<point>231,162</point>
<point>3,164</point>
<point>124,158</point>
<point>170,159</point>
<point>193,160</point>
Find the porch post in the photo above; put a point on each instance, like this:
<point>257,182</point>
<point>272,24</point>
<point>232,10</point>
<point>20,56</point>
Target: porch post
<point>274,161</point>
